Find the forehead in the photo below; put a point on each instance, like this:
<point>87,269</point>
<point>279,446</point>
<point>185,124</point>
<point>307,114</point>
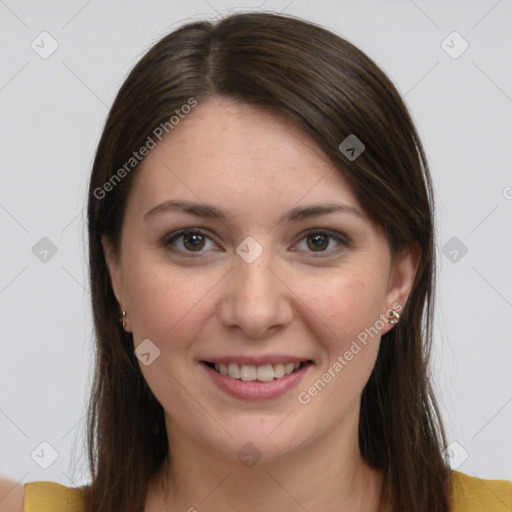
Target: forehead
<point>227,152</point>
<point>230,131</point>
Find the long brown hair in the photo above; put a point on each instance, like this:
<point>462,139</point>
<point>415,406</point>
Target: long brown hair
<point>331,90</point>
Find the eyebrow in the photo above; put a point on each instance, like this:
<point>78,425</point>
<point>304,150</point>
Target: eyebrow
<point>209,211</point>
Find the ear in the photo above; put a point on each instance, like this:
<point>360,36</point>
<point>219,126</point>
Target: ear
<point>112,262</point>
<point>401,280</point>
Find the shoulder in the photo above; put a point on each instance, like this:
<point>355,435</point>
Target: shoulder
<point>43,496</point>
<point>11,496</point>
<point>473,494</point>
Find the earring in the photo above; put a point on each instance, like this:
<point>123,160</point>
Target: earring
<point>122,319</point>
<point>395,317</point>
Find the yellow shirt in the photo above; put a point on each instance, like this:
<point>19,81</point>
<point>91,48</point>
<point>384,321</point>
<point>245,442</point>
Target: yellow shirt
<point>469,494</point>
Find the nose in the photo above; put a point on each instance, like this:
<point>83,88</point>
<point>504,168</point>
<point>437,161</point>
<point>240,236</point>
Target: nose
<point>255,298</point>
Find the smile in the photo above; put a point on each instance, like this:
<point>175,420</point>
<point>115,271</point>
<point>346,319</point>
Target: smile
<point>256,382</point>
<point>248,373</point>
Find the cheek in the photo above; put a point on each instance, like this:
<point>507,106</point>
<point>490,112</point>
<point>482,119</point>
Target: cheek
<point>166,303</point>
<point>344,315</point>
<point>346,304</point>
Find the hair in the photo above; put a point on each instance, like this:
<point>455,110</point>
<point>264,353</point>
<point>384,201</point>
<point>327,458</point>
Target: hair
<point>330,89</point>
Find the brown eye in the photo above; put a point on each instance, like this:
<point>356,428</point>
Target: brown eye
<point>193,241</point>
<point>188,241</point>
<point>318,240</point>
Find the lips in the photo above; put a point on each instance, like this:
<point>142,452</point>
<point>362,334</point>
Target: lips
<point>256,382</point>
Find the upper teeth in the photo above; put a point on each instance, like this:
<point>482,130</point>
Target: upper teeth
<point>249,372</point>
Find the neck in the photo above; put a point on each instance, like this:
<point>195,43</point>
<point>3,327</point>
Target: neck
<point>327,475</point>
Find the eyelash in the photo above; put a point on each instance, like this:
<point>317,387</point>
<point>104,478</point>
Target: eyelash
<point>343,241</point>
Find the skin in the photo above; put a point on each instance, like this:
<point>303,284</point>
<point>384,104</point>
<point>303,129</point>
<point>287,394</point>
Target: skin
<point>255,167</point>
<point>12,495</point>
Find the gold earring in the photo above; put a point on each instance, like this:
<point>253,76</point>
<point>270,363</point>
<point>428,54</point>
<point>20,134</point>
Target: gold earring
<point>122,319</point>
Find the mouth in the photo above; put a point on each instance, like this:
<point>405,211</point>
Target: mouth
<point>261,373</point>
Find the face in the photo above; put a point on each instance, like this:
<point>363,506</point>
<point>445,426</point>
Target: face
<point>255,282</point>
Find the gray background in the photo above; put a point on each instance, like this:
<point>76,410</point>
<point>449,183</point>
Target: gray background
<point>52,113</point>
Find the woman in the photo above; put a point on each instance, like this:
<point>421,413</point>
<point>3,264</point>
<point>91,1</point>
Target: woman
<point>260,214</point>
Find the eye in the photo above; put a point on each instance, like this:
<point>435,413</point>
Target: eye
<point>319,239</point>
<point>192,240</point>
<point>195,240</point>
